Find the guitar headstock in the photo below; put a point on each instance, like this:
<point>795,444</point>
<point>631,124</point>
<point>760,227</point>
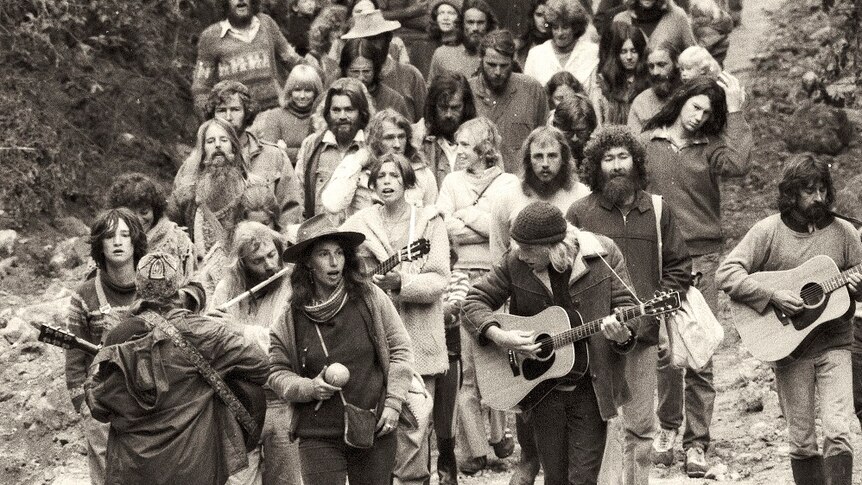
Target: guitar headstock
<point>663,302</point>
<point>55,336</point>
<point>415,250</point>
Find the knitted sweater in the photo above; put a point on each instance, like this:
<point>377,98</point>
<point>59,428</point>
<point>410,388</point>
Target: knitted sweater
<point>222,56</point>
<point>770,245</point>
<point>87,320</point>
<point>285,125</point>
<point>507,205</point>
<point>419,302</point>
<point>465,202</point>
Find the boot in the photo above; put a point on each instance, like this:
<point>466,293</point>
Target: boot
<point>808,471</point>
<point>838,469</point>
<point>447,466</point>
<point>528,467</point>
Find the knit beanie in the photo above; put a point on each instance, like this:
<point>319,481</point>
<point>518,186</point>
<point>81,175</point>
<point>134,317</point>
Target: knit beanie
<point>539,223</point>
<point>158,277</point>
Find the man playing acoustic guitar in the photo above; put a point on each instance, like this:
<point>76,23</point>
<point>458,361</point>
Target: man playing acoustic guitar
<point>805,228</point>
<point>553,263</point>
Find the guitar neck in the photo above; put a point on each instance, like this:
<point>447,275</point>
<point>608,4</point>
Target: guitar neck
<point>388,265</point>
<point>840,280</point>
<point>588,329</point>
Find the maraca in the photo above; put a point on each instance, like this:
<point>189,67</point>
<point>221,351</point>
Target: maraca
<point>336,375</point>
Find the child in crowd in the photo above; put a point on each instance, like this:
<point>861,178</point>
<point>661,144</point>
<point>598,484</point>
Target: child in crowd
<point>695,62</point>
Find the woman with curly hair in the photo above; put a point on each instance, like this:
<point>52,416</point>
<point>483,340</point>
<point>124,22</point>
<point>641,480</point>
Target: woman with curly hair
<point>622,73</point>
<point>444,26</point>
<point>465,202</point>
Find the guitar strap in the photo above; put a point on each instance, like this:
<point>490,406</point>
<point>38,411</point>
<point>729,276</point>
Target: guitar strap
<point>206,371</point>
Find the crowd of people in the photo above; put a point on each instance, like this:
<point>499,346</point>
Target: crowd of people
<point>510,156</point>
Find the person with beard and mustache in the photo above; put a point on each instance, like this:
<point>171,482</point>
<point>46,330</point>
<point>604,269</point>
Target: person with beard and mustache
<point>247,46</point>
<point>805,227</point>
<point>687,155</point>
<point>346,111</point>
<point>255,255</point>
<point>620,209</point>
<point>661,21</point>
<point>450,104</point>
<point>515,102</point>
<point>576,118</point>
<point>664,80</point>
<point>464,58</point>
<point>570,48</point>
<point>549,175</point>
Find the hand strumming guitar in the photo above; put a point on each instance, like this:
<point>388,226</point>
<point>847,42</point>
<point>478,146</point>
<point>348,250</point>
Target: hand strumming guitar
<point>787,302</point>
<point>390,281</point>
<point>854,285</point>
<point>520,341</point>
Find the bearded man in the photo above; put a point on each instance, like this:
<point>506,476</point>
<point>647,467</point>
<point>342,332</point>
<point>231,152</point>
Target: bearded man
<point>246,46</point>
<point>661,21</point>
<point>479,19</point>
<point>664,79</point>
<point>620,209</point>
<point>450,104</point>
<point>515,102</point>
<point>255,255</point>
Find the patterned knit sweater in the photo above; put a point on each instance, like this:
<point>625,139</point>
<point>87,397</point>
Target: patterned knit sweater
<point>255,63</point>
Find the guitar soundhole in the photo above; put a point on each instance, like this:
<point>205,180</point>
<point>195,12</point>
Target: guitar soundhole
<point>812,295</point>
<point>546,349</point>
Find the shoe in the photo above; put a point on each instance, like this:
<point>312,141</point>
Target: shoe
<point>695,462</point>
<point>662,447</point>
<point>525,472</point>
<point>447,468</point>
<point>808,471</point>
<point>474,465</point>
<point>838,469</point>
<point>505,447</point>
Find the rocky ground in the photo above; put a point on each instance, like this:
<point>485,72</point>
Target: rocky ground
<point>40,441</point>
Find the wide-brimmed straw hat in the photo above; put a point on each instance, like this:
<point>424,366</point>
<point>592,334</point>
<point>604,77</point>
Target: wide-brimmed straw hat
<point>317,228</point>
<point>370,24</point>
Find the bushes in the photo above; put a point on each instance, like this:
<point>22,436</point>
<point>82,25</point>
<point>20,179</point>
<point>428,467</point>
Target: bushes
<point>78,75</point>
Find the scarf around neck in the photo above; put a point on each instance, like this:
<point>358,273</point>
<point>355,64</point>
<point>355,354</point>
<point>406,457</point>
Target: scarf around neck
<point>322,312</point>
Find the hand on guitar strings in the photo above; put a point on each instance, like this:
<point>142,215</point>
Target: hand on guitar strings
<point>854,284</point>
<point>614,330</point>
<point>322,390</point>
<point>521,341</point>
<point>787,302</point>
<point>390,281</point>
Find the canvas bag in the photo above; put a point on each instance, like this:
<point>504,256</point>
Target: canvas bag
<point>692,333</point>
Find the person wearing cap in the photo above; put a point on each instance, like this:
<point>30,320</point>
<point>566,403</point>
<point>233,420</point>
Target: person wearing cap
<point>553,263</point>
<point>515,102</point>
<point>464,58</point>
<point>246,46</point>
<point>570,47</point>
<point>337,315</point>
<point>256,255</point>
<point>398,74</point>
<point>167,425</point>
<point>416,288</point>
<point>548,174</point>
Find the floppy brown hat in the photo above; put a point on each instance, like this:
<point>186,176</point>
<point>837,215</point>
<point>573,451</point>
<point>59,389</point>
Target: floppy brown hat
<point>317,228</point>
<point>370,24</point>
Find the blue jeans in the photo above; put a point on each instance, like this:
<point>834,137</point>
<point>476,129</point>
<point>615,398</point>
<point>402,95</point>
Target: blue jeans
<point>828,376</point>
<point>696,386</point>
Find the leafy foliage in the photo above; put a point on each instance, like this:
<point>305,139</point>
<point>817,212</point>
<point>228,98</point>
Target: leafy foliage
<point>92,88</point>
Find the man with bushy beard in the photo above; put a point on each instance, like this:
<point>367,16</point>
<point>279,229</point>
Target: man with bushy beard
<point>548,175</point>
<point>479,19</point>
<point>661,21</point>
<point>255,255</point>
<point>246,46</point>
<point>619,208</point>
<point>805,227</point>
<point>517,103</point>
<point>664,79</point>
<point>346,111</point>
<point>450,104</point>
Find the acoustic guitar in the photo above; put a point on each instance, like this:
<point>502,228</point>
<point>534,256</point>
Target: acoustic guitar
<point>249,394</point>
<point>509,380</point>
<point>411,252</point>
<point>772,336</point>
